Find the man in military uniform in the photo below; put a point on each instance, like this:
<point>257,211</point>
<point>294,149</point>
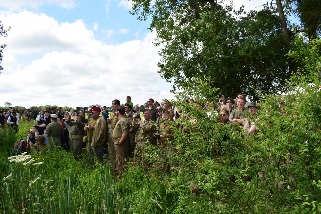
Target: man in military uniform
<point>131,132</point>
<point>249,124</point>
<point>150,105</point>
<point>112,120</point>
<point>165,135</point>
<point>167,106</point>
<point>99,134</point>
<point>120,139</point>
<point>239,114</point>
<point>76,133</point>
<point>89,129</point>
<point>166,128</point>
<point>54,131</point>
<point>144,136</point>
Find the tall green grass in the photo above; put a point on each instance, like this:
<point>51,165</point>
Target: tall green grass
<point>51,181</point>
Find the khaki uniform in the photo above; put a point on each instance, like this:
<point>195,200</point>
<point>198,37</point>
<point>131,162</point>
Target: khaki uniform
<point>98,140</point>
<point>144,137</point>
<point>54,132</point>
<point>131,135</point>
<point>122,127</point>
<point>249,124</point>
<point>76,133</point>
<point>238,113</point>
<point>114,119</point>
<point>111,148</point>
<point>88,140</point>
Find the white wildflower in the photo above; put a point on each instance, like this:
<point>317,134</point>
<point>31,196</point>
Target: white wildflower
<point>32,182</point>
<point>6,178</point>
<point>37,163</point>
<point>19,158</point>
<point>12,158</point>
<point>29,162</point>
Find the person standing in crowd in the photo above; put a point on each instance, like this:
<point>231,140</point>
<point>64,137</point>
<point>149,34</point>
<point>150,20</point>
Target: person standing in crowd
<point>239,114</point>
<point>2,119</point>
<point>89,129</point>
<point>249,124</point>
<point>54,131</point>
<point>167,106</point>
<point>120,139</point>
<point>224,114</point>
<point>229,104</point>
<point>13,120</point>
<point>76,134</point>
<point>151,107</point>
<point>144,136</point>
<point>44,120</point>
<point>104,112</point>
<point>39,145</point>
<point>137,110</point>
<point>98,141</point>
<point>31,138</point>
<point>221,101</point>
<point>131,132</point>
<point>165,135</point>
<point>166,128</point>
<point>41,117</point>
<point>65,133</point>
<point>129,101</point>
<point>112,120</point>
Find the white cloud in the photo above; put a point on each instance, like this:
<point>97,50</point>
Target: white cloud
<point>123,31</point>
<point>95,26</point>
<point>126,4</point>
<point>34,4</point>
<point>63,64</point>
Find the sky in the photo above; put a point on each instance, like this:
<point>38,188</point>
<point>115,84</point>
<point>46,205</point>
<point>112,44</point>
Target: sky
<point>79,53</point>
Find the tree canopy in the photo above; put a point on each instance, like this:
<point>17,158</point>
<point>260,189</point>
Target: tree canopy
<point>231,50</point>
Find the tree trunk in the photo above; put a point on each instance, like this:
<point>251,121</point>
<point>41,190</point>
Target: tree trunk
<point>284,26</point>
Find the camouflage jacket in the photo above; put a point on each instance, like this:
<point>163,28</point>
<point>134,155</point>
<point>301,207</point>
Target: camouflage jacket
<point>145,133</point>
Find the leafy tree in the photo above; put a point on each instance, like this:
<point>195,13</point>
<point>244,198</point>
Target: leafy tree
<point>205,42</point>
<point>3,32</point>
<point>7,104</point>
<point>309,13</point>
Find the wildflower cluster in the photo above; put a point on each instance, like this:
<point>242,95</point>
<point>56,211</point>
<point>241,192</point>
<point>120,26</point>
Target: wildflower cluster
<point>24,158</point>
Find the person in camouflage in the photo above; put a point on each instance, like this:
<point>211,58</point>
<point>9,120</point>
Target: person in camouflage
<point>167,106</point>
<point>166,128</point>
<point>120,139</point>
<point>145,136</point>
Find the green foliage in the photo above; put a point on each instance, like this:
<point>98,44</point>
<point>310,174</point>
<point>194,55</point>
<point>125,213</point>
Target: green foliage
<point>206,43</point>
<point>308,55</point>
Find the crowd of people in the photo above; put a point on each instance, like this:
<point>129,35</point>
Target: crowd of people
<point>125,132</point>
